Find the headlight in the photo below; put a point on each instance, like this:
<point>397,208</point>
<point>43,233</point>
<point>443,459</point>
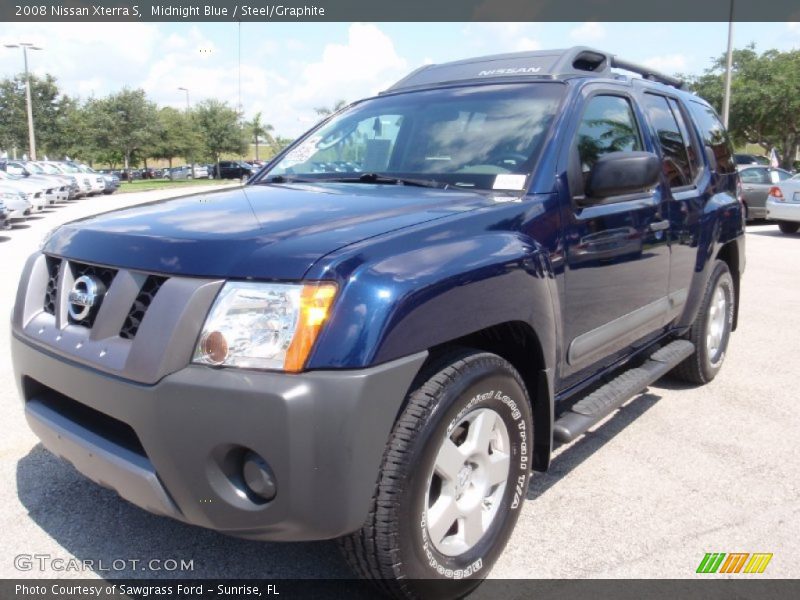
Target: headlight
<point>264,325</point>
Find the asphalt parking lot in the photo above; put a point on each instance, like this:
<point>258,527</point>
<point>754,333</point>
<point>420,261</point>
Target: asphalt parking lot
<point>676,473</point>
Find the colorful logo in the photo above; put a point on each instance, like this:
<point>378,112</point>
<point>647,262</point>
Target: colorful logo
<point>735,562</point>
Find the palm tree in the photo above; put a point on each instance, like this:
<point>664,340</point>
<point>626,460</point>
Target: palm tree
<point>324,111</point>
<point>259,129</point>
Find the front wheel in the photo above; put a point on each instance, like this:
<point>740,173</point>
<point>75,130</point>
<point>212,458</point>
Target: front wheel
<point>452,482</point>
<point>788,227</point>
<point>711,329</point>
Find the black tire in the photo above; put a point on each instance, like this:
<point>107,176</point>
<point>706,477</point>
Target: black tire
<point>788,227</point>
<point>394,548</point>
<point>701,367</point>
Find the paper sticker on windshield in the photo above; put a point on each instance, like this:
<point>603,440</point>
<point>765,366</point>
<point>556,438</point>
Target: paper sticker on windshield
<point>509,181</point>
<point>304,151</point>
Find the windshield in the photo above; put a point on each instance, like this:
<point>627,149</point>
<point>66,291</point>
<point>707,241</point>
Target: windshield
<point>483,137</point>
<point>50,169</point>
<point>34,168</point>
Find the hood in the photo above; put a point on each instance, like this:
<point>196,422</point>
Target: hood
<point>44,181</point>
<point>263,232</point>
<point>24,185</point>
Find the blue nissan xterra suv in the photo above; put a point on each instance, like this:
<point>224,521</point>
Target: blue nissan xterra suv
<point>384,332</point>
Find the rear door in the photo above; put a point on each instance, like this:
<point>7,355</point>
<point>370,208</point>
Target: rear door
<point>682,167</point>
<point>617,255</point>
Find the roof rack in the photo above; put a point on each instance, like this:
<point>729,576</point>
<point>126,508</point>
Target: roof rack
<point>546,64</point>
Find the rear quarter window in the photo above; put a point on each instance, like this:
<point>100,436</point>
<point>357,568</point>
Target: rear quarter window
<point>714,136</point>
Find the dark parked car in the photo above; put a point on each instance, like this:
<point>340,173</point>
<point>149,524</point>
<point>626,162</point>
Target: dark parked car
<point>757,181</point>
<point>385,355</point>
<point>232,169</point>
<point>750,159</point>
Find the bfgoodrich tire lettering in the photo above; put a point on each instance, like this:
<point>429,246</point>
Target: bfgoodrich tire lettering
<point>711,330</point>
<point>394,547</point>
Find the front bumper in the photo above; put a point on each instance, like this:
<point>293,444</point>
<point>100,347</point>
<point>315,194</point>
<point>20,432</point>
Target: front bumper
<point>783,211</point>
<point>174,448</point>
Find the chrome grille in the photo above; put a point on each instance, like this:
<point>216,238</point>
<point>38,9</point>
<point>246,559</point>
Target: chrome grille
<point>145,328</point>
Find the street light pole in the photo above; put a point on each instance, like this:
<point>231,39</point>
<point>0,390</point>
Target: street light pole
<point>31,135</point>
<point>188,106</point>
<point>726,100</point>
<point>183,89</point>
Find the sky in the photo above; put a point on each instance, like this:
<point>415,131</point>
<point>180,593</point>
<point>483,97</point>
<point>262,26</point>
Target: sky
<point>288,69</point>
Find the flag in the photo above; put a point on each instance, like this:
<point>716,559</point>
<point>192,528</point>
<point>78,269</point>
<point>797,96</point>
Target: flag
<point>773,159</point>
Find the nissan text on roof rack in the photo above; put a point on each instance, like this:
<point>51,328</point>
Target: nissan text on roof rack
<point>384,353</point>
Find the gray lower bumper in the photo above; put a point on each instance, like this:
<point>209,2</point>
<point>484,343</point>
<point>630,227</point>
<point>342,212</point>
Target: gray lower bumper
<point>323,433</point>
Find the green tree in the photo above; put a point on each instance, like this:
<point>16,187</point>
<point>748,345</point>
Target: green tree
<point>278,143</point>
<point>125,123</point>
<point>48,105</point>
<point>218,126</point>
<point>325,111</point>
<point>175,135</point>
<point>765,99</point>
<point>260,130</point>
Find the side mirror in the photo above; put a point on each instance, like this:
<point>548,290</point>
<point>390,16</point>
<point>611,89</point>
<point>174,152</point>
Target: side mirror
<point>619,173</point>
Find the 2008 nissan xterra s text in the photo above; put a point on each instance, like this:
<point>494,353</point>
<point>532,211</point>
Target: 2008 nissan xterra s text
<point>386,330</point>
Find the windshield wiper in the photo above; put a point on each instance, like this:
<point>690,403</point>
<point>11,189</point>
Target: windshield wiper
<point>287,179</point>
<point>363,178</point>
<point>388,179</point>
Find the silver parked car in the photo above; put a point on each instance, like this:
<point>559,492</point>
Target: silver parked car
<point>17,206</point>
<point>757,180</point>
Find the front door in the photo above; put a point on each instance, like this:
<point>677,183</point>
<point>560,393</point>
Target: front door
<point>617,254</point>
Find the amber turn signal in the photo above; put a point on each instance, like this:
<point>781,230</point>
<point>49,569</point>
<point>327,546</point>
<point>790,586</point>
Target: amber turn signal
<point>315,304</point>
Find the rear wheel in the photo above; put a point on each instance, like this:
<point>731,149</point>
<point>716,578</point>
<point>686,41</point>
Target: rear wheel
<point>788,227</point>
<point>711,329</point>
<point>452,482</point>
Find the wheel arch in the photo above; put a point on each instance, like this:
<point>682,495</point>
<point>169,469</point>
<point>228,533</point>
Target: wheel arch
<point>730,255</point>
<point>518,343</point>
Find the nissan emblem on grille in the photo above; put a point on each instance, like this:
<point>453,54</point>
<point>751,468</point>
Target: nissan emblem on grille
<point>86,293</point>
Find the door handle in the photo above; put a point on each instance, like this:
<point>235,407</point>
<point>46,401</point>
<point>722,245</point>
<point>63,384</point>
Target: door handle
<point>659,225</point>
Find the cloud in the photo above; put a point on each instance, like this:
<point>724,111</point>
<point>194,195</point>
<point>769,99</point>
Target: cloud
<point>590,31</point>
<point>351,69</point>
<point>496,38</point>
<point>528,44</point>
<point>668,63</point>
<point>283,78</point>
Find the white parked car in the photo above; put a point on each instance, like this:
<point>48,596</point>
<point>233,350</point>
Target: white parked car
<point>96,179</point>
<point>201,172</point>
<point>32,189</point>
<point>82,179</point>
<point>69,185</point>
<point>783,204</point>
<point>77,188</point>
<point>17,207</point>
<point>32,172</point>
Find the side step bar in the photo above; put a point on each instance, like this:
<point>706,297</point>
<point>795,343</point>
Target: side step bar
<point>603,401</point>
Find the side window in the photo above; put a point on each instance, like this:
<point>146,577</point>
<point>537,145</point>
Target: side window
<point>780,175</point>
<point>608,125</point>
<point>691,144</point>
<point>714,136</point>
<point>753,176</point>
<point>677,166</point>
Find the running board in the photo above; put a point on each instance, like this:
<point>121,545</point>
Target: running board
<point>603,401</point>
